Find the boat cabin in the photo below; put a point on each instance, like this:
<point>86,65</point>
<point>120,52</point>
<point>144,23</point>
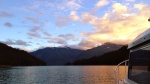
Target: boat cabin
<point>139,59</point>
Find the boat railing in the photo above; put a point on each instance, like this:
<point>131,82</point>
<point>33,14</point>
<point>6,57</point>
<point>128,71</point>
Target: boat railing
<point>117,71</point>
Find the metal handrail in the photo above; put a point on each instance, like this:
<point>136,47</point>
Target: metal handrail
<point>117,69</point>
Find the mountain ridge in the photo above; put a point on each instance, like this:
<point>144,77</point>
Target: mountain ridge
<point>62,55</point>
<point>56,55</point>
<point>15,57</point>
<point>99,50</point>
<point>110,58</point>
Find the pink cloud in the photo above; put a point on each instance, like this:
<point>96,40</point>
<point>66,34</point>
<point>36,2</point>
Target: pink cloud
<point>57,40</point>
<point>16,42</point>
<point>47,33</point>
<point>8,24</point>
<point>35,35</point>
<point>119,25</point>
<point>68,37</point>
<point>35,29</point>
<point>33,19</point>
<point>4,13</point>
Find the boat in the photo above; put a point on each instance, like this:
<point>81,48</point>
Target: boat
<point>137,67</point>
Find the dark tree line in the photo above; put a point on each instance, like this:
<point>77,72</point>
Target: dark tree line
<point>14,57</point>
<point>110,58</point>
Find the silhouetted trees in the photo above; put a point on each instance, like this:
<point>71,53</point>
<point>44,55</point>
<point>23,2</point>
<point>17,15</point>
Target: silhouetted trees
<point>110,58</point>
<point>14,57</point>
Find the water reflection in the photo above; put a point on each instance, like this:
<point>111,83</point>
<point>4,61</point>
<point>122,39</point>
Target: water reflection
<point>58,75</point>
<point>4,74</point>
<point>98,75</point>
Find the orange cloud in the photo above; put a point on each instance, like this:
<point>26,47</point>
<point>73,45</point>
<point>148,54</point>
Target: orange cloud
<point>74,16</point>
<point>101,3</point>
<point>120,25</point>
<point>63,20</point>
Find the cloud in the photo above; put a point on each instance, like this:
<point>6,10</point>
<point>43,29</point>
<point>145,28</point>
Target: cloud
<point>35,35</point>
<point>62,21</point>
<point>119,25</point>
<point>8,24</point>
<point>73,16</point>
<point>35,7</point>
<point>34,32</point>
<point>119,8</point>
<point>35,29</point>
<point>6,14</point>
<point>33,19</point>
<point>68,37</point>
<point>87,17</point>
<point>16,42</point>
<point>46,33</point>
<point>131,0</point>
<point>101,3</point>
<point>65,5</point>
<point>61,39</point>
<point>57,40</point>
<point>73,4</point>
<point>40,7</point>
<point>37,21</point>
<point>87,44</point>
<point>98,5</point>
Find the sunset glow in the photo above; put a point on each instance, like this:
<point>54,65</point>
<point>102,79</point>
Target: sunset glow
<point>82,24</point>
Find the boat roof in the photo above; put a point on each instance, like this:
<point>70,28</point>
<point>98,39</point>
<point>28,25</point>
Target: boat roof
<point>143,37</point>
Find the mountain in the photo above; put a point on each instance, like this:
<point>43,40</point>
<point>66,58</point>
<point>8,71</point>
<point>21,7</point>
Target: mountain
<point>57,55</point>
<point>97,51</point>
<point>62,55</point>
<point>110,58</point>
<point>14,57</point>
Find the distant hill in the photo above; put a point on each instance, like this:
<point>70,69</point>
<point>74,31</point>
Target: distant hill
<point>57,55</point>
<point>110,58</point>
<point>14,57</point>
<point>99,50</point>
<point>62,55</point>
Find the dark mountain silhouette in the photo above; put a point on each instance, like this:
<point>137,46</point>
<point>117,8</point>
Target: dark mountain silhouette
<point>14,57</point>
<point>110,58</point>
<point>97,51</point>
<point>57,55</point>
<point>62,55</point>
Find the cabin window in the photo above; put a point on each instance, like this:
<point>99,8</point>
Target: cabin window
<point>139,66</point>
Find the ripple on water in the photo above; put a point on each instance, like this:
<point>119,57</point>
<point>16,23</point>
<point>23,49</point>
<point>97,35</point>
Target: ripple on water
<point>58,75</point>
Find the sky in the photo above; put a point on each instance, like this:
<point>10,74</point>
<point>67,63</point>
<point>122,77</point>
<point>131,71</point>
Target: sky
<point>81,24</point>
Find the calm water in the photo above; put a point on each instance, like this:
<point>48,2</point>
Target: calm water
<point>57,75</point>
